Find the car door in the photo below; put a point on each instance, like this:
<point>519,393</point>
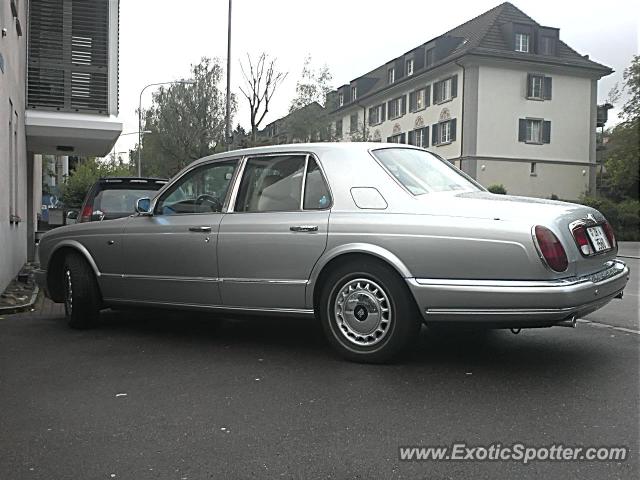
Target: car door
<point>272,237</point>
<point>170,256</point>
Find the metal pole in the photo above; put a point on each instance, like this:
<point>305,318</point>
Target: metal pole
<point>228,116</point>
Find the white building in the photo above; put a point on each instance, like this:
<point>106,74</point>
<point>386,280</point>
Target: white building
<point>500,96</point>
<point>58,95</point>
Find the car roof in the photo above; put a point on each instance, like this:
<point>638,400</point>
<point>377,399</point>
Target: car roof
<point>131,179</point>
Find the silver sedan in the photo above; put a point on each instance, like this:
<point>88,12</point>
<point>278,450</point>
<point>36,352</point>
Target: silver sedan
<point>372,239</point>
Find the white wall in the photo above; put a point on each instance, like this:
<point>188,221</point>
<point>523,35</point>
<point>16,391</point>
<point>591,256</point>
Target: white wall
<point>502,101</point>
<point>13,237</point>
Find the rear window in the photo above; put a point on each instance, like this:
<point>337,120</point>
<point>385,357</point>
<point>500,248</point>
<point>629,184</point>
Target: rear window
<point>421,172</point>
<point>121,200</point>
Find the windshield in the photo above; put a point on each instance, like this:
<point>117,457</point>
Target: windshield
<point>421,172</point>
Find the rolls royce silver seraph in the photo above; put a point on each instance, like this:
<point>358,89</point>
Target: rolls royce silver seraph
<point>373,239</point>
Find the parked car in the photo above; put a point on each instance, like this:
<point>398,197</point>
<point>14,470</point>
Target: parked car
<point>115,197</point>
<point>374,239</point>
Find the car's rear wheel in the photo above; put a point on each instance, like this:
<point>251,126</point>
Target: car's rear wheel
<point>81,293</point>
<point>367,312</point>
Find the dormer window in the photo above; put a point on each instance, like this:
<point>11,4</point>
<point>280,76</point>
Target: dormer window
<point>340,99</point>
<point>354,94</point>
<point>409,68</point>
<point>547,45</point>
<point>431,58</point>
<point>522,42</point>
<point>391,75</point>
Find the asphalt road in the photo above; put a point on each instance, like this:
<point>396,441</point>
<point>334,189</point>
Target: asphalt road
<point>155,396</point>
<point>623,312</point>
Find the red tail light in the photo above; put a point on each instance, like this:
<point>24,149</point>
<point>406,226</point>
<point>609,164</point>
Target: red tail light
<point>87,211</point>
<point>609,233</point>
<point>580,235</point>
<point>551,249</point>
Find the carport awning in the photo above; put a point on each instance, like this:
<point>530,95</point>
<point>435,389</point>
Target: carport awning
<point>64,133</point>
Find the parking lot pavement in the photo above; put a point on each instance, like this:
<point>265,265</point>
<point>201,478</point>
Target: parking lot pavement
<point>623,312</point>
<point>150,395</point>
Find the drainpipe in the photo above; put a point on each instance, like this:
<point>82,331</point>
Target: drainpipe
<point>464,81</point>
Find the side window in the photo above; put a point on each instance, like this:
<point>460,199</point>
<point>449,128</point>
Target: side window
<point>271,184</point>
<point>316,192</point>
<point>202,190</point>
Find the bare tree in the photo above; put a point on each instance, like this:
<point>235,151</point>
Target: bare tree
<point>261,82</point>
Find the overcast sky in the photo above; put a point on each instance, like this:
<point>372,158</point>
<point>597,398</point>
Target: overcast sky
<point>159,40</point>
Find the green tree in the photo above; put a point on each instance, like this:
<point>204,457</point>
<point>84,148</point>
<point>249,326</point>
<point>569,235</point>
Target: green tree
<point>622,154</point>
<point>308,119</point>
<point>86,173</point>
<point>186,121</point>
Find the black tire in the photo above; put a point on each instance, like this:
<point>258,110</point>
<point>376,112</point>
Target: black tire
<point>385,343</point>
<point>82,299</point>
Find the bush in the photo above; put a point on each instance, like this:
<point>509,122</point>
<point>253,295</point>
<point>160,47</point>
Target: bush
<point>85,175</point>
<point>497,188</point>
<point>624,217</point>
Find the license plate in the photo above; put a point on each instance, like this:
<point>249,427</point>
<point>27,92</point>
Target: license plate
<point>599,240</point>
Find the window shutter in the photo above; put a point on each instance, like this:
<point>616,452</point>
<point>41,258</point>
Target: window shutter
<point>425,137</point>
<point>402,138</point>
<point>546,131</point>
<point>412,136</point>
<point>389,139</point>
<point>404,105</point>
<point>453,130</point>
<point>384,112</point>
<point>522,130</point>
<point>389,107</point>
<point>427,96</point>
<point>412,102</point>
<point>434,134</point>
<point>436,92</point>
<point>529,85</point>
<point>454,86</point>
<point>370,116</point>
<point>547,88</point>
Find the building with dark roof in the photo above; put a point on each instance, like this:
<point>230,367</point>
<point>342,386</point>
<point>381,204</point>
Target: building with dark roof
<point>500,96</point>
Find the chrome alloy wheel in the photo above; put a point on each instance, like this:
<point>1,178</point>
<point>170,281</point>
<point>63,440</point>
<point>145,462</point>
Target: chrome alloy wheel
<point>68,292</point>
<point>363,312</point>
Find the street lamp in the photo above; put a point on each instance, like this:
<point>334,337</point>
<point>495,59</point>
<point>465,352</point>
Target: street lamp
<point>228,113</point>
<point>140,132</point>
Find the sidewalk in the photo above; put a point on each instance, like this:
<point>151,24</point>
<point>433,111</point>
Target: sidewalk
<point>629,249</point>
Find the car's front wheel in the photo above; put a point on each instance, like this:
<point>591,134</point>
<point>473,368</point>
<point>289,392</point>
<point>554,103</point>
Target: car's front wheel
<point>81,293</point>
<point>367,312</point>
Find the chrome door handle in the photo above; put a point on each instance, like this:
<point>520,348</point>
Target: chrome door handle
<point>304,228</point>
<point>200,229</point>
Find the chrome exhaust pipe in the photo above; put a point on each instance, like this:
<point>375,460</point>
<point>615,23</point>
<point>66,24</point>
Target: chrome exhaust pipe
<point>571,323</point>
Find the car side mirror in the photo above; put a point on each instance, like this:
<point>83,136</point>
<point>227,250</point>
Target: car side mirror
<point>143,206</point>
<point>72,215</point>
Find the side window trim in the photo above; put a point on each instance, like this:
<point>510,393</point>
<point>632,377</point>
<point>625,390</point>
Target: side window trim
<point>304,181</point>
<point>168,187</point>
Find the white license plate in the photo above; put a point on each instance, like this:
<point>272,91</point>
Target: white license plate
<point>599,240</point>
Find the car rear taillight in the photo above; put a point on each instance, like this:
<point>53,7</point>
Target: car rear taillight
<point>580,235</point>
<point>87,211</point>
<point>609,233</point>
<point>551,249</point>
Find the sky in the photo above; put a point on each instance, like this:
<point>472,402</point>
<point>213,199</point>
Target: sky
<point>161,39</point>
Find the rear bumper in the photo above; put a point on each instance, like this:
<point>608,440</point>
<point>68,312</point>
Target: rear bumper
<point>518,303</point>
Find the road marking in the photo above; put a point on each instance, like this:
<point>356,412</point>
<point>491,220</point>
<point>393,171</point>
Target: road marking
<point>605,325</point>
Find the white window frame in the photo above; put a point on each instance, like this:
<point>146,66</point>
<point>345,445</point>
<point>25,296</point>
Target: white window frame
<point>397,138</point>
<point>444,132</point>
<point>522,42</point>
<point>397,102</point>
<point>533,78</point>
<point>409,67</point>
<point>341,99</point>
<point>391,75</point>
<point>533,135</point>
<point>377,119</point>
<point>354,93</point>
<point>422,92</point>
<point>419,137</point>
<point>353,129</point>
<point>444,86</point>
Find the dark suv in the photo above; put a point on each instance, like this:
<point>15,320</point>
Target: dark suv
<point>115,197</point>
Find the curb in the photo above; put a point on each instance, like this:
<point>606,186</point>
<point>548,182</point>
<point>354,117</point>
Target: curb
<point>24,307</point>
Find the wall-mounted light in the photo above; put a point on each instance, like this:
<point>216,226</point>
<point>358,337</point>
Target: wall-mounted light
<point>584,172</point>
<point>482,167</point>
